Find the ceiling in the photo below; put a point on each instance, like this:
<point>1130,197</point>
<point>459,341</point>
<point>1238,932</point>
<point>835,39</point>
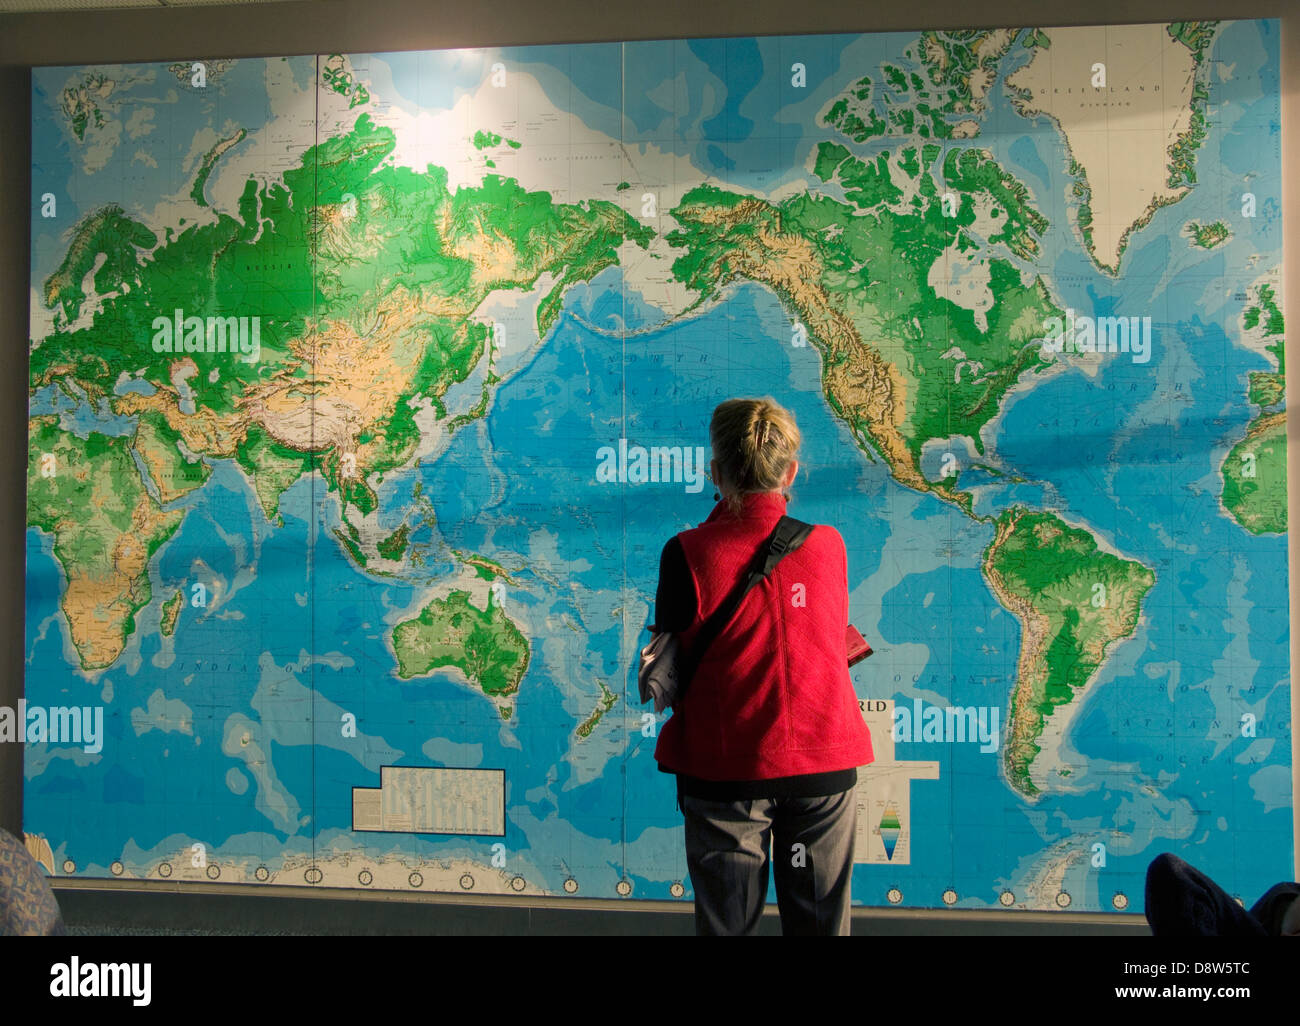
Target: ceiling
<point>39,6</point>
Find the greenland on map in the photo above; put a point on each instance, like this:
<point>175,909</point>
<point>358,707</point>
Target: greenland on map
<point>365,390</point>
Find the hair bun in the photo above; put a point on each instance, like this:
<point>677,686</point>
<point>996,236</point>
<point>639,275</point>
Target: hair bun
<point>754,443</point>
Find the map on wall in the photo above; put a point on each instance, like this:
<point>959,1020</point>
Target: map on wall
<point>366,389</point>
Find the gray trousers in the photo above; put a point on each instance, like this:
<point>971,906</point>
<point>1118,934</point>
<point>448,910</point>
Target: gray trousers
<point>811,854</point>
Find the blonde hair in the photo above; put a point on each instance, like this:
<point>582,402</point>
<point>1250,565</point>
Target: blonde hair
<point>754,442</point>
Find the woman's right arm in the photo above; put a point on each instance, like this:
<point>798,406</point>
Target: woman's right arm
<point>675,596</point>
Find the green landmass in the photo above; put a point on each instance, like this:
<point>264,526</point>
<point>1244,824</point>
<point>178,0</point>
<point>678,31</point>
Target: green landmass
<point>927,107</point>
<point>857,276</point>
<point>607,700</point>
<point>1254,471</point>
<point>395,544</point>
<point>171,472</point>
<point>1074,601</point>
<point>956,58</point>
<point>1207,236</point>
<point>1266,316</point>
<point>484,644</point>
<point>343,243</point>
<point>105,529</point>
<point>484,568</point>
<point>351,539</point>
<point>171,611</point>
<point>105,232</point>
<point>80,103</point>
<point>1196,36</point>
<point>1254,477</point>
<point>271,468</point>
<point>210,161</point>
<point>213,71</point>
<point>973,171</point>
<point>1266,389</point>
<point>336,75</point>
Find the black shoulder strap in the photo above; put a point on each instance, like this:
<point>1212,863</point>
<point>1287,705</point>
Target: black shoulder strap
<point>787,536</point>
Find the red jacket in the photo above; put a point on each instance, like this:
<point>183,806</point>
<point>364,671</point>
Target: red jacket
<point>772,696</point>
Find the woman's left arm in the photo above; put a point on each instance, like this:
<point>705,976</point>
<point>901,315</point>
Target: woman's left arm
<point>675,596</point>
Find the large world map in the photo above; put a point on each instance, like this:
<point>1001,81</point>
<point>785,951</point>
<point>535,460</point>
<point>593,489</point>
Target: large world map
<point>366,389</point>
